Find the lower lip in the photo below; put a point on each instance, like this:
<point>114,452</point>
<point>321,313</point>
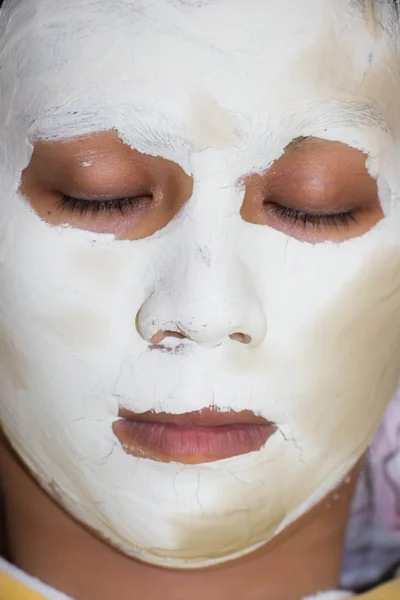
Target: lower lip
<point>190,445</point>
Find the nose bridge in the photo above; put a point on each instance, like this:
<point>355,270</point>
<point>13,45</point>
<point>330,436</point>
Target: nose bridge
<point>210,230</point>
<point>213,210</point>
<point>207,295</point>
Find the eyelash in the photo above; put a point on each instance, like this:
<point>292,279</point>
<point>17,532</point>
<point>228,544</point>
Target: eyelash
<point>337,220</point>
<point>122,205</point>
<point>97,207</point>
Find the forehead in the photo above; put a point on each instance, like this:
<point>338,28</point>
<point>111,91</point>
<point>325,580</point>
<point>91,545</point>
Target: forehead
<point>181,40</point>
<point>206,70</point>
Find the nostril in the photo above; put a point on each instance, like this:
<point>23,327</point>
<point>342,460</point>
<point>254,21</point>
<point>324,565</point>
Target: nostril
<point>240,337</point>
<point>160,336</point>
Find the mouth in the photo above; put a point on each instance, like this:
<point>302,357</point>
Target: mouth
<point>193,438</point>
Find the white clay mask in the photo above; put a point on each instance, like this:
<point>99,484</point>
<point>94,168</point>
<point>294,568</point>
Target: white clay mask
<point>219,89</point>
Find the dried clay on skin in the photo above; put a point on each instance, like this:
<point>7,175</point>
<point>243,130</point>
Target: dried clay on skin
<point>324,319</point>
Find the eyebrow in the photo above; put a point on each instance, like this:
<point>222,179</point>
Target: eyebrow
<point>327,114</point>
<point>298,143</point>
<point>72,124</point>
<point>316,118</point>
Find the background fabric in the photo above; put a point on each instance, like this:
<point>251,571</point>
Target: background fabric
<point>373,541</point>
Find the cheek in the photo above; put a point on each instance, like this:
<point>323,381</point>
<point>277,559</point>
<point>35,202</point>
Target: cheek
<point>62,339</point>
<point>13,363</point>
<point>350,360</point>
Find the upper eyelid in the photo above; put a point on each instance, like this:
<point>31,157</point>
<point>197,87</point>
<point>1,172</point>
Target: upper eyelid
<point>83,207</point>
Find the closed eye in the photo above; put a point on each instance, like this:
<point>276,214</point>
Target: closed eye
<point>308,219</point>
<point>94,208</point>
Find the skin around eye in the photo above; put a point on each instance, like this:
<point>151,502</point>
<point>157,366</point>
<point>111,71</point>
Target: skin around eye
<point>99,184</point>
<point>317,191</point>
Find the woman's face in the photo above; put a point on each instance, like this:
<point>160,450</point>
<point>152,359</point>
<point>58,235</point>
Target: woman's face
<point>199,216</point>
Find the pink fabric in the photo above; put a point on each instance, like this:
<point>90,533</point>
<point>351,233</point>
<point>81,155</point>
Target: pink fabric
<point>373,542</point>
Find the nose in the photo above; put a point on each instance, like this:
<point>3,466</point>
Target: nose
<point>205,301</point>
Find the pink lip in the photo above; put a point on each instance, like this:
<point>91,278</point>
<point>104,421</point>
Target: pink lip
<point>192,438</point>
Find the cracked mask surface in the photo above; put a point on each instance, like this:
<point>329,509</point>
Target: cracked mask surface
<point>227,85</point>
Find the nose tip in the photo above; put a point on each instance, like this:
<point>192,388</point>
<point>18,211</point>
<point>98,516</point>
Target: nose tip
<point>204,311</point>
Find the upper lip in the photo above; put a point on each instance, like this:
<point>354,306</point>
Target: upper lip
<point>207,417</point>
